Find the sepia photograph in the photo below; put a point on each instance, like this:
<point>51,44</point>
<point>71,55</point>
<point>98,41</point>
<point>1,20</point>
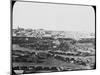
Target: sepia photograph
<point>52,37</point>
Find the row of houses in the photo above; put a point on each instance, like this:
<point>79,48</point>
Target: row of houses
<point>21,32</point>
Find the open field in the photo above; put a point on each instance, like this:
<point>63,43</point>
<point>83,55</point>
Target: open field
<point>49,56</point>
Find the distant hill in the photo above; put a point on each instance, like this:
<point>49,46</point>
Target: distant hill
<point>21,32</point>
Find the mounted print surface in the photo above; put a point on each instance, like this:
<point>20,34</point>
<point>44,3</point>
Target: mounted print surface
<point>52,37</point>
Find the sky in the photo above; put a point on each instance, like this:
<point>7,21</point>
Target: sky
<point>57,17</point>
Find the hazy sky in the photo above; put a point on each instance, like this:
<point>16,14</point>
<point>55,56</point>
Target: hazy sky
<point>53,17</point>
